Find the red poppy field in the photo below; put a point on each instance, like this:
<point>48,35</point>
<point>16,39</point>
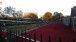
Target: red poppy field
<point>55,30</point>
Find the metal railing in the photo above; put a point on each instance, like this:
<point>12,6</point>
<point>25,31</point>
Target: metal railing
<point>18,36</point>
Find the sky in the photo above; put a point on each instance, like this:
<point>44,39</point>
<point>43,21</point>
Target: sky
<point>41,6</point>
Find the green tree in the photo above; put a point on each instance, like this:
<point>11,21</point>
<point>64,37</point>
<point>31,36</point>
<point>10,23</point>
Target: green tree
<point>9,10</point>
<point>57,16</point>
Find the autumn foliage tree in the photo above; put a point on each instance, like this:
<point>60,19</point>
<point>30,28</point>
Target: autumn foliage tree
<point>30,15</point>
<point>47,16</point>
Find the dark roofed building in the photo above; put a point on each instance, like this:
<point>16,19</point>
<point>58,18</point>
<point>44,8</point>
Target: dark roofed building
<point>73,11</point>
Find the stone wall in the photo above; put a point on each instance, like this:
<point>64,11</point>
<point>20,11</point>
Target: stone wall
<point>66,20</point>
<point>70,21</point>
<point>74,23</point>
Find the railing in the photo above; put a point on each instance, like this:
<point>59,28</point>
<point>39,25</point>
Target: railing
<point>20,38</point>
<point>16,37</point>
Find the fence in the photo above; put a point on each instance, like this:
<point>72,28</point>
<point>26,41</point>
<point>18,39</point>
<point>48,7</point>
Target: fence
<point>16,37</point>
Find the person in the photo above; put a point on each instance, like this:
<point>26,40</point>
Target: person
<point>1,39</point>
<point>4,34</point>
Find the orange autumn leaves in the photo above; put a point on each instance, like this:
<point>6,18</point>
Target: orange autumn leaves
<point>30,15</point>
<point>45,17</point>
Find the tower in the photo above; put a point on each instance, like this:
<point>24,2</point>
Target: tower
<point>73,18</point>
<point>73,11</point>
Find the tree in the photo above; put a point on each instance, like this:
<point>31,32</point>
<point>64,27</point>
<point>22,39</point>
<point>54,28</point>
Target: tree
<point>1,13</point>
<point>58,16</point>
<point>9,10</point>
<point>15,15</point>
<point>47,16</point>
<point>30,15</point>
<point>19,12</point>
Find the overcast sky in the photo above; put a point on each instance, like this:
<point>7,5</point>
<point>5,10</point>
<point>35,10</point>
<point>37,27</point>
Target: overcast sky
<point>41,6</point>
